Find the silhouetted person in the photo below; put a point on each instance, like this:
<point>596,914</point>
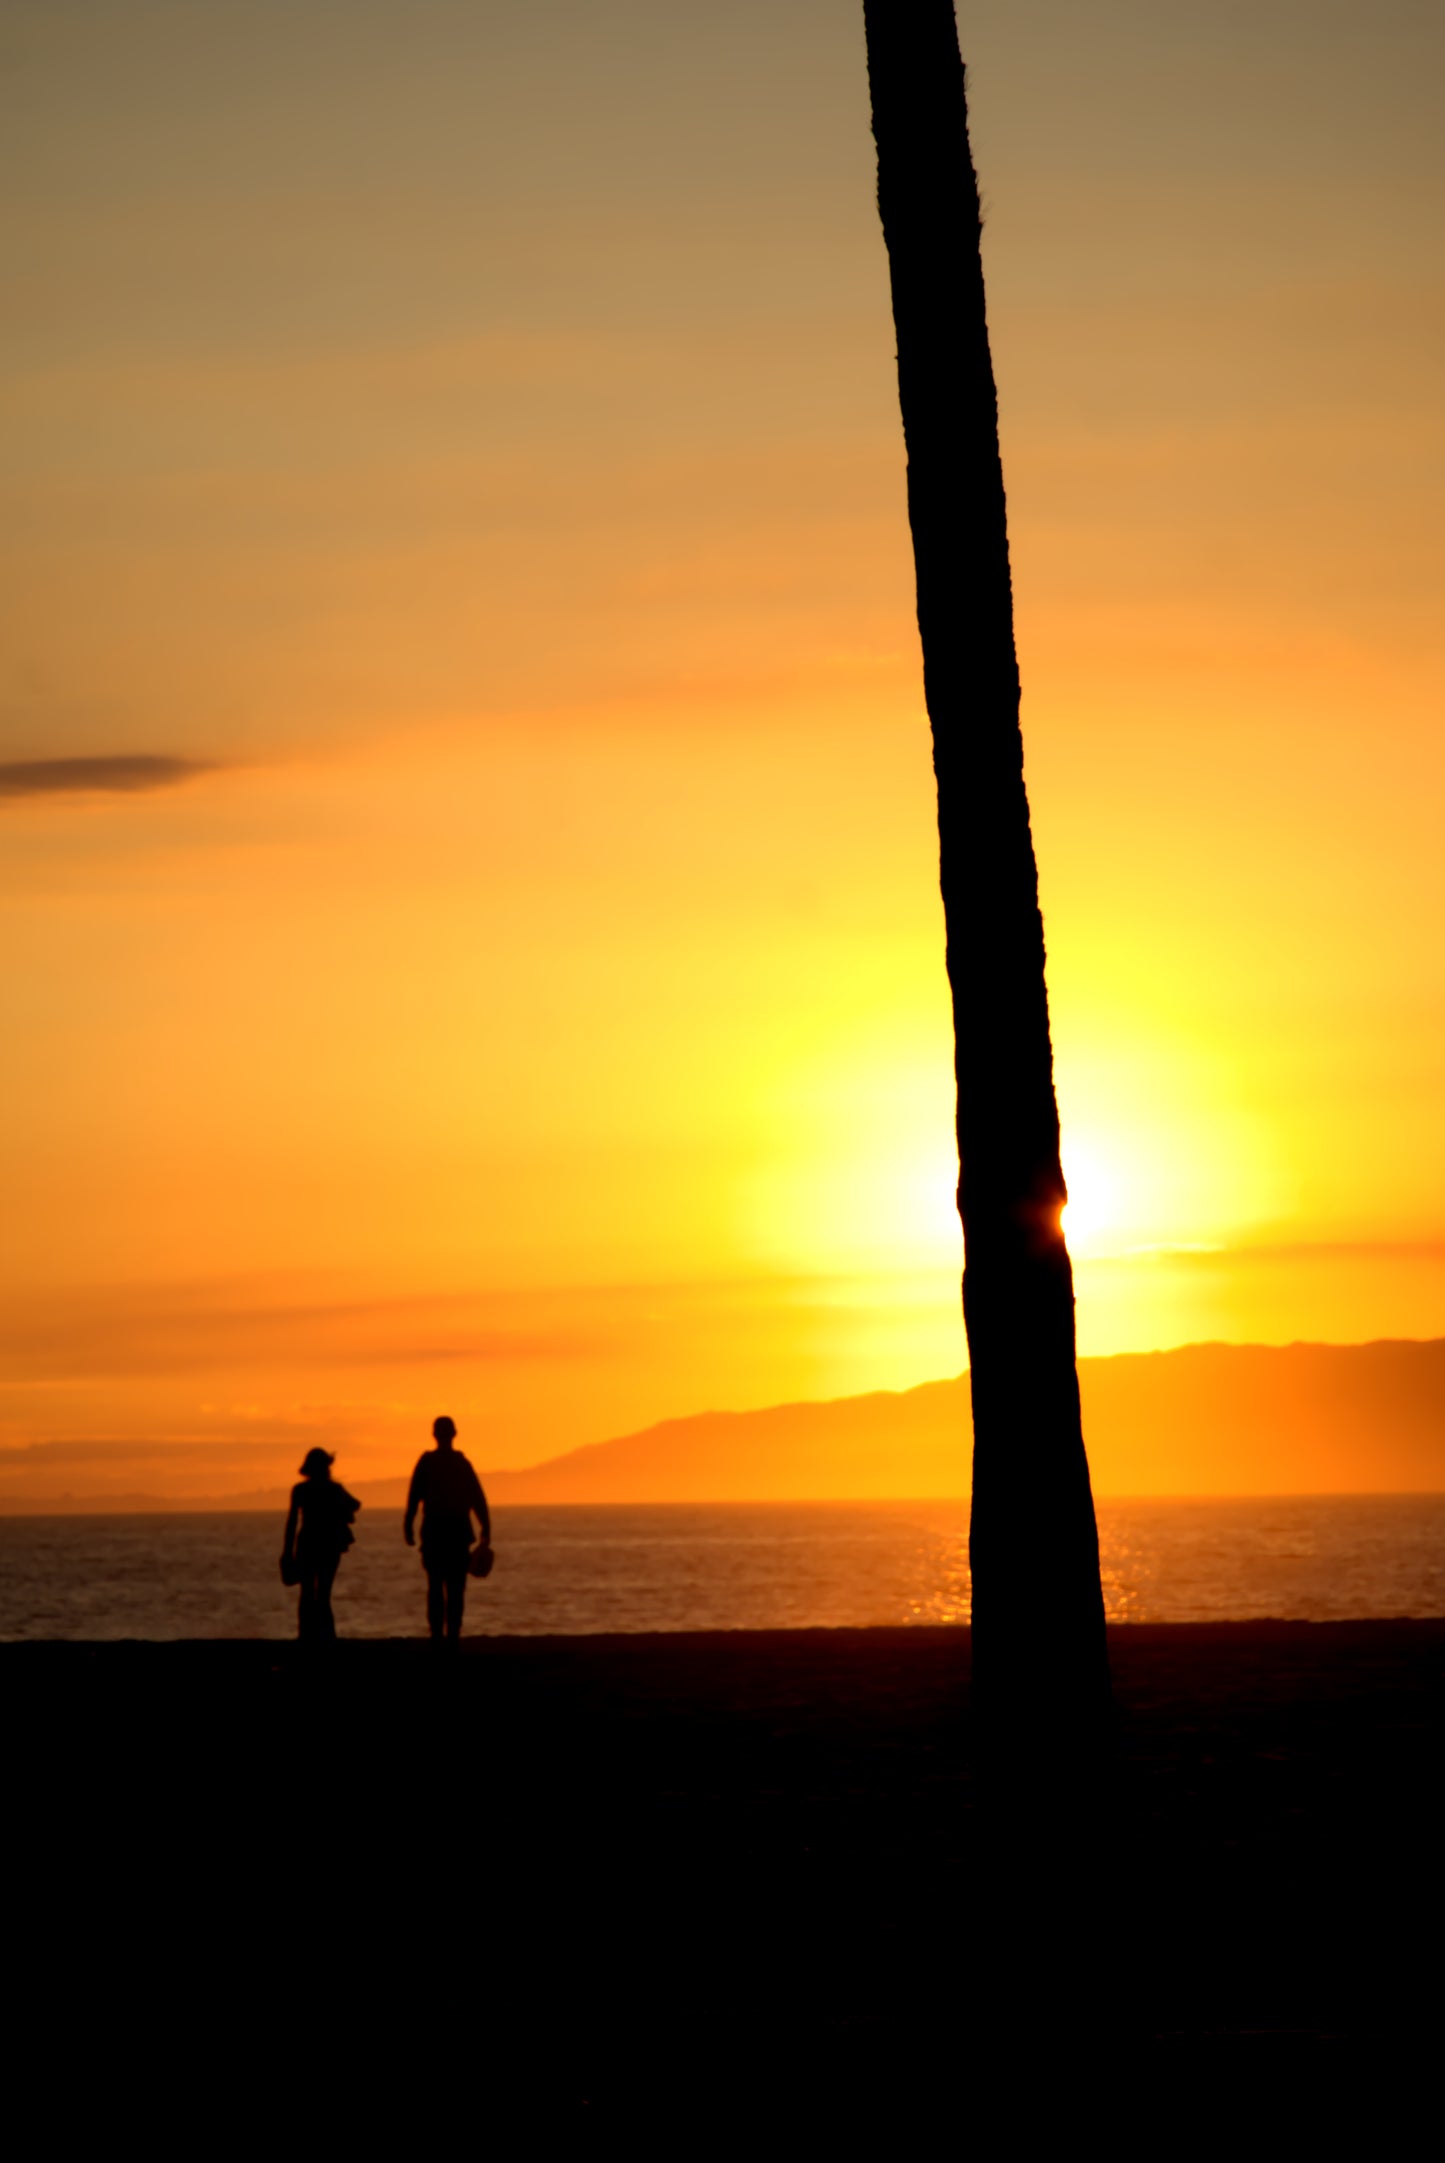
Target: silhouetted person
<point>318,1533</point>
<point>446,1490</point>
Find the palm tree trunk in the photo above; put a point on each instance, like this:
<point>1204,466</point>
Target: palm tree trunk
<point>1038,1616</point>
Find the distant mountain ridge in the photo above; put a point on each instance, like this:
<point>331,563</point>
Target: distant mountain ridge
<point>1202,1419</point>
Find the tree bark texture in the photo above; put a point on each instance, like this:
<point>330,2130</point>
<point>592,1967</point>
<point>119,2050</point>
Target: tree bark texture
<point>1038,1616</point>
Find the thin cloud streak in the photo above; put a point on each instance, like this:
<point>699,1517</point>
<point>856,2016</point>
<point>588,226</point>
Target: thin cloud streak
<point>88,1338</point>
<point>119,776</point>
<point>108,1451</point>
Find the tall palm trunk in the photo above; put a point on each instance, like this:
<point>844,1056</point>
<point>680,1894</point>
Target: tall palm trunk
<point>1038,1617</point>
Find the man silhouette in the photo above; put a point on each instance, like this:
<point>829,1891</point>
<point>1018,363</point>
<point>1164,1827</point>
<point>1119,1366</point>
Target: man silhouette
<point>446,1490</point>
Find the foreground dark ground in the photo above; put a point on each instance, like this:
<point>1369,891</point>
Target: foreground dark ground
<point>716,1880</point>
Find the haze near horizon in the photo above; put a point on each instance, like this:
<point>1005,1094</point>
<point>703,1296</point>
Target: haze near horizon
<point>470,869</point>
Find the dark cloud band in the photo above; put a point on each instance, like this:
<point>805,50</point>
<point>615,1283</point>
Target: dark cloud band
<point>90,777</point>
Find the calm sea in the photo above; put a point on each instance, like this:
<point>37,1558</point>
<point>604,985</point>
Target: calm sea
<point>724,1566</point>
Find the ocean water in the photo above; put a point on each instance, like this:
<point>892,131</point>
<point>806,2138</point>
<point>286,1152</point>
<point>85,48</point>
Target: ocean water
<point>723,1566</point>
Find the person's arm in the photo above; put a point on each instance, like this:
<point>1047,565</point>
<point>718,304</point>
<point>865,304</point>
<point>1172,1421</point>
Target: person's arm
<point>288,1544</point>
<point>413,1504</point>
<point>484,1515</point>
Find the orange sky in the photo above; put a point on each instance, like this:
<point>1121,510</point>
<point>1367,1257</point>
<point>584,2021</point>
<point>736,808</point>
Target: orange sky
<point>468,433</point>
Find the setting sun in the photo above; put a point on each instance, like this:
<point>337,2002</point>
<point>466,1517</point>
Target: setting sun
<point>1090,1214</point>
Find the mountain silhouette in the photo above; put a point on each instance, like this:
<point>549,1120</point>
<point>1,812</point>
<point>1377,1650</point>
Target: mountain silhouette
<point>1204,1419</point>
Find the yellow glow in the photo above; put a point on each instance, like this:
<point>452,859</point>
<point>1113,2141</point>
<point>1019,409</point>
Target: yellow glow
<point>540,998</point>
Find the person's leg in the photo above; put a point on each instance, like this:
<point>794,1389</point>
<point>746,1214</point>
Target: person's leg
<point>325,1579</point>
<point>306,1605</point>
<point>456,1597</point>
<point>436,1598</point>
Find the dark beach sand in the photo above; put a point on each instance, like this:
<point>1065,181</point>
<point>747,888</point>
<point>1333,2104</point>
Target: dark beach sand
<point>606,1881</point>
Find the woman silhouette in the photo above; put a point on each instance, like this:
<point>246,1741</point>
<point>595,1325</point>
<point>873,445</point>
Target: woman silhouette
<point>318,1533</point>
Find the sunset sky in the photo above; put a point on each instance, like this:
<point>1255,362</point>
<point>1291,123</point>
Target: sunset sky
<point>454,448</point>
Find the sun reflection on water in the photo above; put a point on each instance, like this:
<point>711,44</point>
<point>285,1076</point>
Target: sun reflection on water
<point>724,1566</point>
